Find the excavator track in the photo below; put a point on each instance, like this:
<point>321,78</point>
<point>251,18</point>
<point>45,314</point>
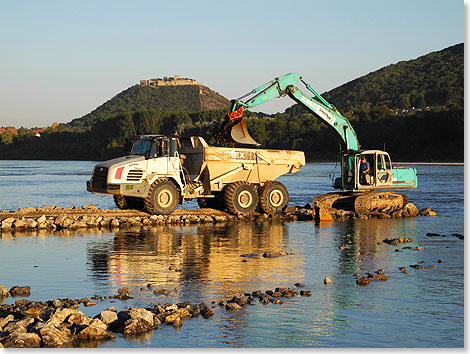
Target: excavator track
<point>379,201</point>
<point>344,201</point>
<point>362,203</point>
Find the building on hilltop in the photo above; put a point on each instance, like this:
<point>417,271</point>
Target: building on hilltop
<point>169,81</point>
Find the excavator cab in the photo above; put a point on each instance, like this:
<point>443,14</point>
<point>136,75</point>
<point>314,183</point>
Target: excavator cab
<point>376,174</point>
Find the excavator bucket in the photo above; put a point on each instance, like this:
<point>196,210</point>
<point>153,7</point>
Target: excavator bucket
<point>240,134</point>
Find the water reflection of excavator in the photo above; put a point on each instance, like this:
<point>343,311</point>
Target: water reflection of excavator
<point>357,189</point>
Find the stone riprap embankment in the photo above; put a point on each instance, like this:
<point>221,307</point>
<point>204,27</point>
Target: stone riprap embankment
<point>59,323</point>
<point>72,218</point>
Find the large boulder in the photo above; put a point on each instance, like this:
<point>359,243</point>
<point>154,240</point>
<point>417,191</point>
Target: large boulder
<point>59,316</point>
<point>410,210</point>
<point>6,224</point>
<point>20,291</point>
<point>139,320</point>
<point>23,340</point>
<point>3,292</point>
<point>107,316</point>
<point>95,333</point>
<point>5,320</point>
<point>134,321</point>
<point>54,337</point>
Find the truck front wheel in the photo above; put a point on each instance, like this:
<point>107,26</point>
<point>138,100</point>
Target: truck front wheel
<point>162,198</point>
<point>273,197</point>
<point>123,202</point>
<point>240,198</point>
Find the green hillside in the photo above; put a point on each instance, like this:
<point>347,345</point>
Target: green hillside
<point>434,79</point>
<point>188,98</point>
<point>414,108</point>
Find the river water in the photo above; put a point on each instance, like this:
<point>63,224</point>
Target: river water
<point>424,308</point>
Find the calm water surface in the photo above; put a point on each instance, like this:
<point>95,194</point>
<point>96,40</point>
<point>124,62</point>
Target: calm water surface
<point>424,308</point>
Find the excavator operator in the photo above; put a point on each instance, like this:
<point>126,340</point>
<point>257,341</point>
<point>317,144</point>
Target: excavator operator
<point>364,169</point>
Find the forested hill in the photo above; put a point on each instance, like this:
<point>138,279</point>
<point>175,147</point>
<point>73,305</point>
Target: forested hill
<point>414,108</point>
<point>188,98</point>
<point>434,79</point>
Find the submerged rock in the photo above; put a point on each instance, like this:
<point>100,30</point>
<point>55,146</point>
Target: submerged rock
<point>418,266</point>
<point>363,281</point>
<point>233,306</point>
<point>396,241</point>
<point>251,255</point>
<point>377,277</point>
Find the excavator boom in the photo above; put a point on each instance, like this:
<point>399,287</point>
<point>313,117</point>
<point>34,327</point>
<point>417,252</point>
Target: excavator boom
<point>235,127</point>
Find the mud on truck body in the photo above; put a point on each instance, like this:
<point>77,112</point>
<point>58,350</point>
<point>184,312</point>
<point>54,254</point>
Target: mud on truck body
<point>162,172</point>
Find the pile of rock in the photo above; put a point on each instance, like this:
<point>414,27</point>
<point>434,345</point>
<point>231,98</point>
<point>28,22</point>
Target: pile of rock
<point>53,218</point>
<point>321,213</point>
<point>58,323</point>
<point>365,280</point>
<point>269,296</point>
<point>77,222</point>
<point>397,240</point>
<point>36,324</point>
<point>267,254</point>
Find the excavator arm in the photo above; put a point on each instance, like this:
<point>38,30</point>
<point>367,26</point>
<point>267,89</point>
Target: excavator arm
<point>235,126</point>
<point>328,113</point>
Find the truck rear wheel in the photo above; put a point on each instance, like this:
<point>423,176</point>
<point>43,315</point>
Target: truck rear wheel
<point>162,198</point>
<point>123,202</point>
<point>240,198</point>
<point>273,197</point>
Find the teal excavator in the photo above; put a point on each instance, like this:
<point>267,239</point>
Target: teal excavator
<point>358,189</point>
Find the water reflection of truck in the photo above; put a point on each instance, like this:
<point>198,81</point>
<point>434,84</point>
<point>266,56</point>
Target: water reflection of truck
<point>161,172</point>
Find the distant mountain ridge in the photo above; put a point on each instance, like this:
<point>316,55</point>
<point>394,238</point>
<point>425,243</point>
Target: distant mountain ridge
<point>434,79</point>
<point>187,98</point>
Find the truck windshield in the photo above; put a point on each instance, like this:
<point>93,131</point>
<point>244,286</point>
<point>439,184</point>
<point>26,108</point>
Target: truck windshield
<point>141,147</point>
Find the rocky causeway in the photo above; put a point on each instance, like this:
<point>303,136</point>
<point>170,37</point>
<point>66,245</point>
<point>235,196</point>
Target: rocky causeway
<point>89,216</point>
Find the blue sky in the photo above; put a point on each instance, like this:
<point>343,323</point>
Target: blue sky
<point>62,59</point>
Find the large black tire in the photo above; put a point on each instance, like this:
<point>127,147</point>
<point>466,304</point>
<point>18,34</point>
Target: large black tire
<point>123,202</point>
<point>273,197</point>
<point>214,203</point>
<point>120,201</point>
<point>240,198</point>
<point>163,197</point>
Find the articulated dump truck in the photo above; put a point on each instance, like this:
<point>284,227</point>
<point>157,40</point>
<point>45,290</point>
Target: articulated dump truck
<point>162,172</point>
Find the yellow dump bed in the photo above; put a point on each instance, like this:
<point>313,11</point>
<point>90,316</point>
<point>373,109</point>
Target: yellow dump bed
<point>223,165</point>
